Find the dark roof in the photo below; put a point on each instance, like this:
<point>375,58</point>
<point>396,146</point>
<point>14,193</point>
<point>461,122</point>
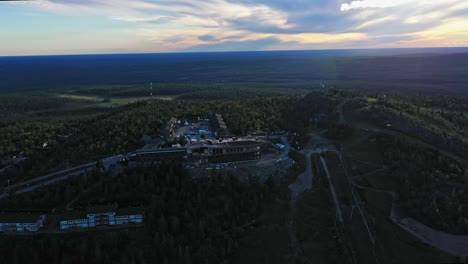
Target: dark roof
<point>244,143</point>
<point>73,215</point>
<point>131,211</point>
<point>226,144</point>
<point>156,151</point>
<point>19,218</point>
<point>99,209</point>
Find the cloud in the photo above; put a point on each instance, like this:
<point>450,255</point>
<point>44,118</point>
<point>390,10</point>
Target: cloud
<point>206,38</point>
<point>220,11</point>
<point>451,33</point>
<point>374,22</point>
<point>259,44</point>
<point>176,25</point>
<point>372,4</point>
<point>408,23</point>
<point>320,38</point>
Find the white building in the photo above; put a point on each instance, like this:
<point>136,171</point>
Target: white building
<point>103,215</point>
<point>21,222</point>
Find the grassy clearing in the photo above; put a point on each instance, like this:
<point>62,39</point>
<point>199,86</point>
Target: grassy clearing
<point>79,97</point>
<point>105,102</point>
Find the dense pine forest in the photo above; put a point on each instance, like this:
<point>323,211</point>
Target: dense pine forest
<point>411,145</point>
<point>74,139</point>
<point>188,220</point>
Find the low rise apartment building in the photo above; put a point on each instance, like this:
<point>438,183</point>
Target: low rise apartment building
<point>102,215</point>
<point>21,222</point>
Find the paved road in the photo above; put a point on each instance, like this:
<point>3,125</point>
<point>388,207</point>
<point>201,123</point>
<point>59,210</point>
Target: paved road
<point>4,169</point>
<point>14,186</point>
<point>86,168</point>
<point>456,245</point>
<point>17,160</point>
<point>303,181</point>
<point>452,244</point>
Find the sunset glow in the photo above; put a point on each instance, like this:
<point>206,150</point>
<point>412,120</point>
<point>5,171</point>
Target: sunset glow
<point>119,26</point>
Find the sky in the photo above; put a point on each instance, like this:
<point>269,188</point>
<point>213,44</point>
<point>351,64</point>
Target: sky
<point>137,26</point>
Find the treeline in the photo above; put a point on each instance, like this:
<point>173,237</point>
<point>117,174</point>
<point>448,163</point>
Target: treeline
<point>186,221</point>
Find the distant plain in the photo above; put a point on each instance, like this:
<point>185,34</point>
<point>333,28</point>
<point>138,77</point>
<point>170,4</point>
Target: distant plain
<point>428,71</point>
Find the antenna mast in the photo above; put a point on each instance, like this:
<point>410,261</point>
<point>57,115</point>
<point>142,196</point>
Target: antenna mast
<point>151,93</point>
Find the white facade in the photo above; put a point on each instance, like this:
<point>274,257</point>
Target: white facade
<point>22,226</point>
<point>127,219</point>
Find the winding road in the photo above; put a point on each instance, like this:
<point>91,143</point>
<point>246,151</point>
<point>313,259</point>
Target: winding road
<point>456,245</point>
<point>107,162</point>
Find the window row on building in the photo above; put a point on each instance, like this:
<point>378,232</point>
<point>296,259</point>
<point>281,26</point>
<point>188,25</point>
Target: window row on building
<point>21,222</point>
<point>107,215</point>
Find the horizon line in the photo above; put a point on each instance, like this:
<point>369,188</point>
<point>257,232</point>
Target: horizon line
<point>230,51</point>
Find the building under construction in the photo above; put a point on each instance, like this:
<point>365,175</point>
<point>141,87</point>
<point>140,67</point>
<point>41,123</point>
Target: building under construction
<point>169,129</point>
<point>218,125</point>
